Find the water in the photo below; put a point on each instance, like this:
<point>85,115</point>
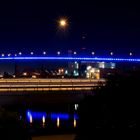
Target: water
<point>40,122</point>
<point>45,118</point>
<point>44,113</point>
<point>52,122</point>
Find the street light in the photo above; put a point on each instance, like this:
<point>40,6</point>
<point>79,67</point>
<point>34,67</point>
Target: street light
<point>93,53</point>
<point>32,53</point>
<point>111,53</point>
<point>130,53</point>
<point>44,53</point>
<point>20,53</point>
<point>58,53</point>
<point>9,54</point>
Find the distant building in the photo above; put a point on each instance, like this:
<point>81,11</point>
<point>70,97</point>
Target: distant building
<point>73,69</point>
<point>95,70</point>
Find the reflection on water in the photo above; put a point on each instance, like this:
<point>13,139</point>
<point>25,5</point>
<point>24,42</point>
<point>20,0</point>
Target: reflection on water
<point>74,123</point>
<point>31,118</point>
<point>43,119</point>
<point>56,120</point>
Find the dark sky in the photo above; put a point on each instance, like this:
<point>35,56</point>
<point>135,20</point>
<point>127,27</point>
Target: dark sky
<point>99,26</point>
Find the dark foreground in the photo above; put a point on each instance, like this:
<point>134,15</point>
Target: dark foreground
<point>55,137</point>
<point>114,106</point>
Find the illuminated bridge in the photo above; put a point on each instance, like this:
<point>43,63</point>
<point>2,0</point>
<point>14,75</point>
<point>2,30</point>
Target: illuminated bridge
<point>19,85</point>
<point>110,59</point>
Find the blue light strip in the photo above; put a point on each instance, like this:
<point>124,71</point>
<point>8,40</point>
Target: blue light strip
<point>73,58</point>
<point>53,116</point>
<point>76,116</point>
<point>62,116</point>
<point>35,115</point>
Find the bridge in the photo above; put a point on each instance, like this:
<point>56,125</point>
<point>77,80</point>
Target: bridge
<point>29,84</point>
<point>110,59</point>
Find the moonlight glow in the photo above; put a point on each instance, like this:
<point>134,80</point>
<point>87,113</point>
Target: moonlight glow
<point>63,23</point>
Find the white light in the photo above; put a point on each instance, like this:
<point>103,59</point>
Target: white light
<point>43,119</point>
<point>111,53</point>
<point>102,65</point>
<point>58,122</point>
<point>77,74</point>
<point>112,65</point>
<point>20,53</point>
<point>89,67</point>
<point>130,54</point>
<point>33,76</point>
<point>9,54</point>
<point>87,75</point>
<point>44,53</point>
<point>32,53</point>
<point>58,53</point>
<point>75,53</point>
<point>2,55</point>
<point>76,65</point>
<point>61,71</point>
<point>25,74</point>
<point>76,106</point>
<point>15,54</point>
<point>66,72</point>
<point>92,70</point>
<point>93,53</point>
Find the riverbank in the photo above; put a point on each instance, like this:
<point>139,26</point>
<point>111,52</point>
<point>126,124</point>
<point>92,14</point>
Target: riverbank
<point>55,137</point>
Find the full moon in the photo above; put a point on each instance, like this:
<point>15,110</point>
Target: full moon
<point>63,22</point>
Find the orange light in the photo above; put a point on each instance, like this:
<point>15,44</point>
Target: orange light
<point>31,119</point>
<point>75,123</point>
<point>63,22</point>
<point>43,119</point>
<point>58,122</point>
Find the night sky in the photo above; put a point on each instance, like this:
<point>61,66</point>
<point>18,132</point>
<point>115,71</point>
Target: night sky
<point>97,26</point>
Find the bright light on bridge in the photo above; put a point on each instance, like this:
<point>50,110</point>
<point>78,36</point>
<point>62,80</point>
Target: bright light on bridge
<point>2,55</point>
<point>9,54</point>
<point>130,54</point>
<point>93,53</point>
<point>32,53</point>
<point>111,53</point>
<point>44,53</point>
<point>20,53</point>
